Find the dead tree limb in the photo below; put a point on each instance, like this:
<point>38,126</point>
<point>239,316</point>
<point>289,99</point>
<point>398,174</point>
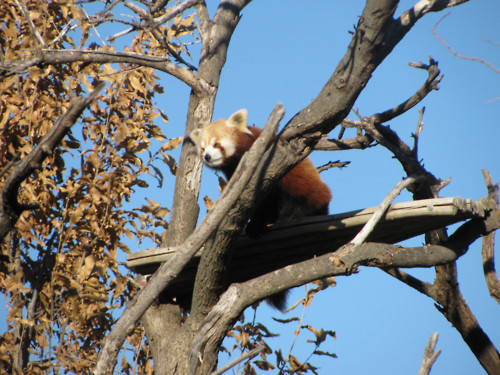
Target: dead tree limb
<point>430,355</point>
<point>455,53</point>
<point>488,248</point>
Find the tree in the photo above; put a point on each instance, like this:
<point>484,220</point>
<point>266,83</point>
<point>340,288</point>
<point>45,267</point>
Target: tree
<point>69,197</point>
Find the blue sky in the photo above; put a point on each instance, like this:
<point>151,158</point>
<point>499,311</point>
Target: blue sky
<point>284,51</point>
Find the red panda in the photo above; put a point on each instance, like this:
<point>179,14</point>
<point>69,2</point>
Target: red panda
<point>300,193</point>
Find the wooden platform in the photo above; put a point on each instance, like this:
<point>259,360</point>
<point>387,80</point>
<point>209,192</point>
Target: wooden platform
<point>303,239</point>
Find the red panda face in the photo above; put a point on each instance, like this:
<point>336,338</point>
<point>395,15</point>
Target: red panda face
<point>214,151</point>
<point>220,141</point>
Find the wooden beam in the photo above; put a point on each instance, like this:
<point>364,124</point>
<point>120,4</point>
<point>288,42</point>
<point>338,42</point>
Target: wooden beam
<point>296,241</point>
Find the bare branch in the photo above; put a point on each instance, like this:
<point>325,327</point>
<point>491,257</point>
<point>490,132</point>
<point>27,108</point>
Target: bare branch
<point>341,262</point>
<point>361,142</point>
<point>413,282</point>
<point>430,355</point>
<point>333,164</point>
<point>176,10</point>
<point>37,38</point>
<point>453,52</point>
<point>416,136</point>
<point>488,248</point>
<point>252,353</point>
<point>374,38</point>
<point>149,21</point>
<point>204,19</point>
<point>431,83</point>
<point>382,209</point>
<point>411,16</point>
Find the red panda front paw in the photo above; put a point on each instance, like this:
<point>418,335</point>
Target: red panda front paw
<point>255,229</point>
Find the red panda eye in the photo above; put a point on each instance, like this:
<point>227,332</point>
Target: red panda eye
<point>217,145</point>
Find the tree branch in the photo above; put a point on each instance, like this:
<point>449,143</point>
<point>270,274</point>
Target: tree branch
<point>430,84</point>
<point>341,262</point>
<point>37,38</point>
<point>176,10</point>
<point>446,291</point>
<point>168,271</point>
<point>455,53</point>
<point>252,353</point>
<point>184,213</point>
<point>10,208</point>
<point>420,286</point>
<point>360,142</point>
<point>55,57</point>
<point>430,355</point>
<point>382,209</point>
<point>488,248</point>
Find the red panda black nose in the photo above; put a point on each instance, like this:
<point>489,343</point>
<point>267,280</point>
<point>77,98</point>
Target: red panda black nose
<point>207,157</point>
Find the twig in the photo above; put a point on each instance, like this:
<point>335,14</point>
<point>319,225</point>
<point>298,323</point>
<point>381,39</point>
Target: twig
<point>493,100</point>
<point>37,37</point>
<point>429,355</point>
<point>119,34</point>
<point>252,353</point>
<point>416,136</point>
<point>178,9</point>
<point>93,26</point>
<point>381,210</point>
<point>491,42</point>
<point>333,164</point>
<point>67,28</point>
<point>297,331</point>
<point>455,53</point>
<point>151,22</point>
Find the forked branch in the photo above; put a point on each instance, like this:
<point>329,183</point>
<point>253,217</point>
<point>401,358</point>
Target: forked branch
<point>430,355</point>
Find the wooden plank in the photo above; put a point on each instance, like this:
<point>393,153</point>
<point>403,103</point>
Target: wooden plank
<point>296,241</point>
<point>440,211</point>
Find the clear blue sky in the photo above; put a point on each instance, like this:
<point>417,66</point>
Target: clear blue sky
<point>284,51</point>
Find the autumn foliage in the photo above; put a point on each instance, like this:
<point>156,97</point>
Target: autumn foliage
<point>60,268</point>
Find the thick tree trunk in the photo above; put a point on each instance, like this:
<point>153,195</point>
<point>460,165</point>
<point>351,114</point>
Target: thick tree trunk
<point>169,338</point>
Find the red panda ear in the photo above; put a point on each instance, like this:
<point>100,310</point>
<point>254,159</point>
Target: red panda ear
<point>239,120</point>
<point>195,136</point>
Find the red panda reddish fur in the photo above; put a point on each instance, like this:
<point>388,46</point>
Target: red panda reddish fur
<point>300,193</point>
